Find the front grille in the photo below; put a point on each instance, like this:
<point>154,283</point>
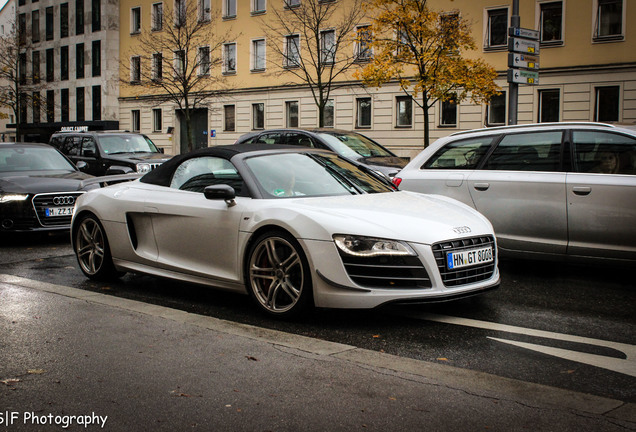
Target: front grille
<point>43,201</point>
<point>386,271</point>
<point>466,275</point>
<point>154,165</point>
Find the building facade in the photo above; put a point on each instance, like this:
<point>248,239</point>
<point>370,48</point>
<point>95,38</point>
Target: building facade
<point>88,50</point>
<point>71,76</point>
<point>7,20</point>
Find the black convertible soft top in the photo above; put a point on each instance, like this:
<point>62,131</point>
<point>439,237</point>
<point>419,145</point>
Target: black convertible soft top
<point>162,175</point>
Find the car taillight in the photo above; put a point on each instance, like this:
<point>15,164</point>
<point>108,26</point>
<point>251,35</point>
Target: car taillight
<point>397,181</point>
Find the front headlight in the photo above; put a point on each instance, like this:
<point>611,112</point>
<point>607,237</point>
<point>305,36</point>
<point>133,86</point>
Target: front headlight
<point>143,168</point>
<point>368,246</point>
<point>12,197</point>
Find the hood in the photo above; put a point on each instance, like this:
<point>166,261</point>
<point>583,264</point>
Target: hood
<point>408,216</point>
<point>386,161</point>
<point>139,157</point>
<point>38,182</point>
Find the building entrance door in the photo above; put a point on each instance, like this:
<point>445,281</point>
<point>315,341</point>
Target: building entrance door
<point>199,124</point>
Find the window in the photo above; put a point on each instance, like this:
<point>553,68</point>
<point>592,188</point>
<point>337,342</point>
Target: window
<point>549,105</point>
<point>96,58</point>
<point>292,3</point>
<point>22,28</point>
<point>50,106</point>
<point>136,120</point>
<point>604,153</point>
<point>64,101</point>
<point>363,49</point>
<point>157,66</point>
<point>157,16</point>
<point>35,66</point>
<point>292,51</point>
<point>258,116</point>
<point>79,17</point>
<point>196,174</point>
<point>22,104</point>
<point>35,26</point>
<point>204,60</point>
<point>135,70</point>
<point>179,13</point>
<point>179,62</point>
<point>327,46</point>
<point>609,20</point>
<point>497,28</point>
<point>64,63</point>
<point>537,151</point>
<point>606,108</point>
<point>35,97</point>
<point>363,117</point>
<point>258,55</point>
<point>22,68</point>
<point>79,60</point>
<point>48,24</point>
<point>551,25</point>
<point>204,10</point>
<point>97,102</point>
<point>448,112</point>
<point>496,110</point>
<point>135,20</point>
<point>80,104</point>
<point>329,114</point>
<point>291,111</point>
<point>229,58</point>
<point>229,8</point>
<point>464,154</point>
<point>229,118</point>
<point>50,65</point>
<point>96,15</point>
<point>404,111</point>
<point>258,6</point>
<point>157,120</point>
<point>64,20</point>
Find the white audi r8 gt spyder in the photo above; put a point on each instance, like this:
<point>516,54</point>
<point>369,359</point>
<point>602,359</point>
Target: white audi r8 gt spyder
<point>292,227</point>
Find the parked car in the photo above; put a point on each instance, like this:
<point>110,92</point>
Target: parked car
<point>110,152</point>
<point>290,226</point>
<point>38,188</point>
<point>351,145</point>
<point>560,189</point>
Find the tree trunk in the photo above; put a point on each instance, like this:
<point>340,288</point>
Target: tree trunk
<point>426,123</point>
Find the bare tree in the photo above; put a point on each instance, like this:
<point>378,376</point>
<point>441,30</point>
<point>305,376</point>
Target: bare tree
<point>191,75</point>
<point>314,41</point>
<point>17,87</point>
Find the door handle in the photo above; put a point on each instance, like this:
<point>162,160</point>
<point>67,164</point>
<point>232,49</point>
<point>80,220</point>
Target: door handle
<point>581,190</point>
<point>481,186</point>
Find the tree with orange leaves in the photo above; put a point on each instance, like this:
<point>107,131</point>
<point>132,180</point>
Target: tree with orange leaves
<point>423,50</point>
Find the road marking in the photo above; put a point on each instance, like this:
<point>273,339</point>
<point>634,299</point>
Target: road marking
<point>625,366</point>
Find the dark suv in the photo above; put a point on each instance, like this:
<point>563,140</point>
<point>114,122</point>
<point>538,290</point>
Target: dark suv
<point>107,153</point>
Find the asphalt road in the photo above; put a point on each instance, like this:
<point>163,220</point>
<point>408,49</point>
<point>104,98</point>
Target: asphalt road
<point>565,326</point>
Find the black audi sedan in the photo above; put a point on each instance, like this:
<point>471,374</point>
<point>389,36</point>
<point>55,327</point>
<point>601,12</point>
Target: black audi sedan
<point>38,188</point>
<point>351,145</point>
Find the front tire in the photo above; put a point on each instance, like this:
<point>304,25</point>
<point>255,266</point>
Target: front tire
<point>278,276</point>
<point>92,249</point>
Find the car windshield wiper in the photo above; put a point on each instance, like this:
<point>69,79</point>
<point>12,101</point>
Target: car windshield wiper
<point>341,178</point>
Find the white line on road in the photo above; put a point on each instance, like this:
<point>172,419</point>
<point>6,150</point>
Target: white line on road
<point>625,366</point>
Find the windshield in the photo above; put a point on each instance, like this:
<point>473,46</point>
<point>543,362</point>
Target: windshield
<point>354,146</point>
<point>33,159</point>
<point>311,174</point>
<point>113,144</point>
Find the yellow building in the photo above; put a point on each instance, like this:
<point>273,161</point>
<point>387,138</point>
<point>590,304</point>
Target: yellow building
<point>587,71</point>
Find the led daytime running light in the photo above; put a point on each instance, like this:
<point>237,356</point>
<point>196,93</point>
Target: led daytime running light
<point>13,197</point>
<point>369,247</point>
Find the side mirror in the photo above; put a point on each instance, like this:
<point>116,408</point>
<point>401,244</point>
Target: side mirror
<point>221,192</point>
<point>161,150</point>
<point>81,165</point>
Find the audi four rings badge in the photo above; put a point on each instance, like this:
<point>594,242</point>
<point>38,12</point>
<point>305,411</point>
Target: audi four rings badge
<point>64,200</point>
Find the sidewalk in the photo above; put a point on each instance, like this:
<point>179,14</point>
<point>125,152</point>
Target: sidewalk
<point>67,353</point>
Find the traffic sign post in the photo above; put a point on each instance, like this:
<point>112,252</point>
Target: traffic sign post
<point>516,60</point>
<point>524,46</point>
<point>521,76</point>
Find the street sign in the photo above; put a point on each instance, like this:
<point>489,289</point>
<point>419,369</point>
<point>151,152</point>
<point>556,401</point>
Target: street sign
<point>523,32</point>
<point>523,61</point>
<point>521,76</point>
<point>524,46</point>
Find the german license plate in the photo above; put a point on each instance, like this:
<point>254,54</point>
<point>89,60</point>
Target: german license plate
<point>59,211</point>
<point>467,258</point>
